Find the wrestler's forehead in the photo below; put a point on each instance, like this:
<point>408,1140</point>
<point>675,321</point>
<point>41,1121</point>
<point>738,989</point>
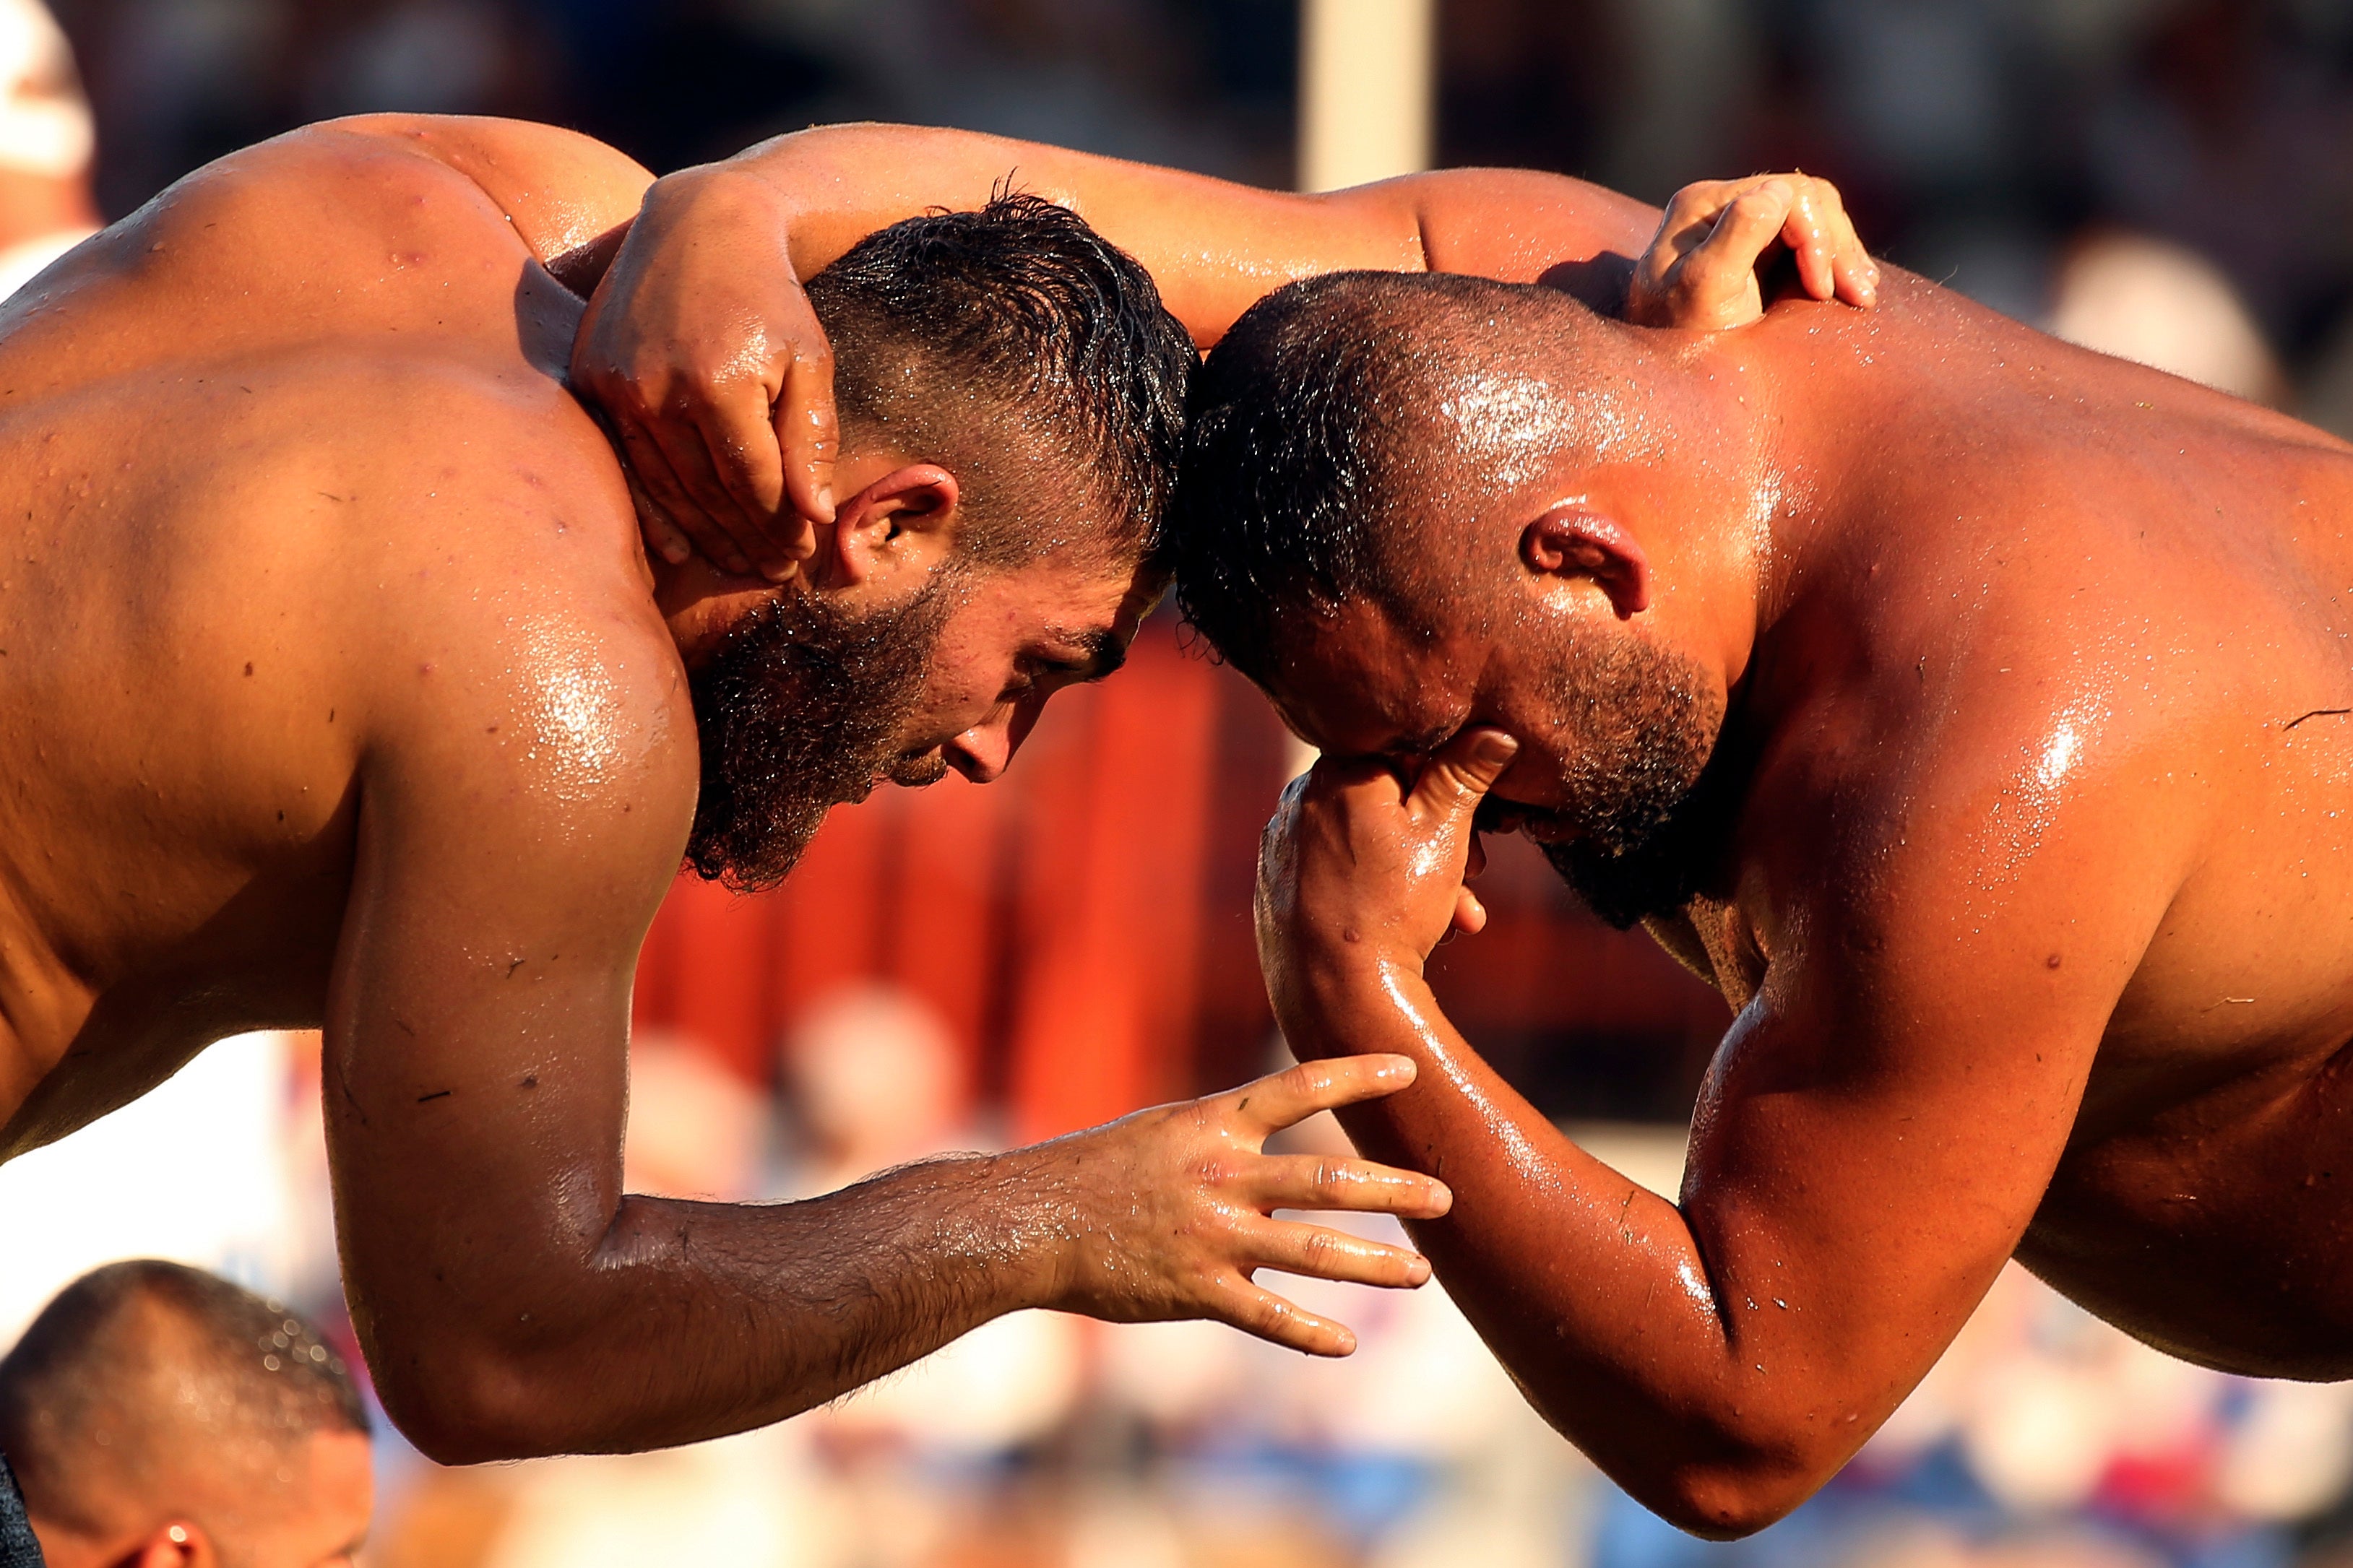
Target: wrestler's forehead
<point>1062,601</point>
<point>1360,685</point>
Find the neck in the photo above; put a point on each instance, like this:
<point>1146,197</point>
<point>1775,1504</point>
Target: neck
<point>700,603</point>
<point>1785,413</point>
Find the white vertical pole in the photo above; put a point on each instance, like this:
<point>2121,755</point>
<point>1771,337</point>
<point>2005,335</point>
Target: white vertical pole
<point>1367,78</point>
<point>1368,91</point>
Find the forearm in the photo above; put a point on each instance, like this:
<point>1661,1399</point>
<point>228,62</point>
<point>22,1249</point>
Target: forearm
<point>1625,1334</point>
<point>1214,248</point>
<point>682,1321</point>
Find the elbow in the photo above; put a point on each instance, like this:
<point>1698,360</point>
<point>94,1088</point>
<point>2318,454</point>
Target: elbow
<point>1725,1502</point>
<point>1724,1480</point>
<point>467,1406</point>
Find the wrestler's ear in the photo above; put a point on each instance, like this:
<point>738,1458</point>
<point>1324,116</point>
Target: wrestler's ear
<point>1573,540</point>
<point>902,524</point>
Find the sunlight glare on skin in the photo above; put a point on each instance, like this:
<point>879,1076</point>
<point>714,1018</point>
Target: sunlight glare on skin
<point>1515,421</point>
<point>576,714</point>
<point>2027,805</point>
<point>1515,413</point>
<point>2058,754</point>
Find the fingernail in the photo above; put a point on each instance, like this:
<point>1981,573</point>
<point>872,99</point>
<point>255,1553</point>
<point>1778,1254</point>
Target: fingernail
<point>1441,1199</point>
<point>1497,747</point>
<point>825,498</point>
<point>675,553</point>
<point>1419,1271</point>
<point>778,571</point>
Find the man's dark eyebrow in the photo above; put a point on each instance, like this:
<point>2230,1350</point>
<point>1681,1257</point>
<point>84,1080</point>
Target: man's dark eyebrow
<point>1102,652</point>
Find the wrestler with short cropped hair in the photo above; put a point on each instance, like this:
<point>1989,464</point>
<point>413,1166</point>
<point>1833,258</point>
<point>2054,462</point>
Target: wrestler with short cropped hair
<point>337,688</point>
<point>158,1415</point>
<point>343,691</point>
<point>1970,708</point>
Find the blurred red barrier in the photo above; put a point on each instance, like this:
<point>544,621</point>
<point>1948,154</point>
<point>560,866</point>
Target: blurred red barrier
<point>1083,924</point>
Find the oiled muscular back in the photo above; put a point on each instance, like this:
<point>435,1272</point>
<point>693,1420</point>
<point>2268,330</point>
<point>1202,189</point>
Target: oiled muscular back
<point>2059,758</point>
<point>230,428</point>
<point>2073,565</point>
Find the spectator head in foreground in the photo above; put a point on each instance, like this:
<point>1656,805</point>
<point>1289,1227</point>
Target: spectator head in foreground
<point>160,1416</point>
<point>875,1081</point>
<point>1012,401</point>
<point>46,142</point>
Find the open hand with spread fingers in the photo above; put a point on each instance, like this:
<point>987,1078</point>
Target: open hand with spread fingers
<point>1701,270</point>
<point>1172,1209</point>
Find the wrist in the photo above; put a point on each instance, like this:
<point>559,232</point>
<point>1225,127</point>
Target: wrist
<point>1328,1001</point>
<point>1026,1241</point>
<point>1348,966</point>
<point>722,192</point>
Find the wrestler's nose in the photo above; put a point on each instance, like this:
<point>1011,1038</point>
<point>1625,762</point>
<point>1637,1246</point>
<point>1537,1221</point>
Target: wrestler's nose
<point>981,752</point>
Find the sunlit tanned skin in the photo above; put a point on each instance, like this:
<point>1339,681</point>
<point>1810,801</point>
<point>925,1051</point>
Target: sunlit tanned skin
<point>339,690</point>
<point>2033,896</point>
<point>706,359</point>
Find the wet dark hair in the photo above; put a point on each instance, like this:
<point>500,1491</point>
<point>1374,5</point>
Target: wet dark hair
<point>1300,422</point>
<point>998,339</point>
<point>89,1366</point>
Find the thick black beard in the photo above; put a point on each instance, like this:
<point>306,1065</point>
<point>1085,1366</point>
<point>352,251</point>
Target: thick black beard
<point>799,709</point>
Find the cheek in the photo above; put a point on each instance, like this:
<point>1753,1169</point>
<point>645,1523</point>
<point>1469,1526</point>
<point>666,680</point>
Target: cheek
<point>954,692</point>
<point>958,671</point>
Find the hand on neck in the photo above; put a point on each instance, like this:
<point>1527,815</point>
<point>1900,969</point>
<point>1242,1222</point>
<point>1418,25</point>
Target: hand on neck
<point>897,525</point>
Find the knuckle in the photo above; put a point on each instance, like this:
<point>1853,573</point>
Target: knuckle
<point>1214,1171</point>
<point>1331,1179</point>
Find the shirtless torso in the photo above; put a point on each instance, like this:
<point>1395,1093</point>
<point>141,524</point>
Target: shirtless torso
<point>336,689</point>
<point>2140,594</point>
<point>2034,905</point>
<point>267,452</point>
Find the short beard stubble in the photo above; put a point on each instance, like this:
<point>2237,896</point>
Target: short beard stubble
<point>1644,788</point>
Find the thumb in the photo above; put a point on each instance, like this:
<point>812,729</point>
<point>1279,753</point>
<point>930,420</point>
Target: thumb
<point>1454,781</point>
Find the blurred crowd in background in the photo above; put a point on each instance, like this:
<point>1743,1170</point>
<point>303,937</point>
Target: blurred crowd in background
<point>2004,145</point>
<point>2166,179</point>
